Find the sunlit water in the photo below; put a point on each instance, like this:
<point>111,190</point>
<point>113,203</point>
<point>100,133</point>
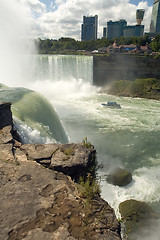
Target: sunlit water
<point>128,137</point>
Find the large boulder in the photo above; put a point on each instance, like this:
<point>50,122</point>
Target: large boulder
<point>135,214</point>
<point>120,177</point>
<point>71,159</point>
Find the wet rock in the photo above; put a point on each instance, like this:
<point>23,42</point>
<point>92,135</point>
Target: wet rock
<point>136,214</point>
<point>120,177</point>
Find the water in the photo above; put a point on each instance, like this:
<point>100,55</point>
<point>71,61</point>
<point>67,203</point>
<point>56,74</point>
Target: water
<point>128,137</point>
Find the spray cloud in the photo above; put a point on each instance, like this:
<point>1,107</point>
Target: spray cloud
<point>15,41</point>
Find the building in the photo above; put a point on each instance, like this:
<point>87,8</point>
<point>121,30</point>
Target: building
<point>139,16</point>
<point>119,28</point>
<point>104,32</point>
<point>89,28</point>
<point>133,31</point>
<point>128,49</point>
<point>115,29</point>
<point>155,18</point>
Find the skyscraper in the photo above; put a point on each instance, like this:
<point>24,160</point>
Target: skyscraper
<point>155,19</point>
<point>139,16</point>
<point>89,28</point>
<point>133,31</point>
<point>115,29</point>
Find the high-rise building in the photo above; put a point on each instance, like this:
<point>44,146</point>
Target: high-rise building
<point>139,16</point>
<point>133,31</point>
<point>104,32</point>
<point>155,19</point>
<point>89,28</point>
<point>115,29</point>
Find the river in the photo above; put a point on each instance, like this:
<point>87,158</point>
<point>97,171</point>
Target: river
<point>128,137</point>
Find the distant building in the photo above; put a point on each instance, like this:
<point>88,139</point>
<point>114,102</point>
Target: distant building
<point>115,29</point>
<point>155,18</point>
<point>89,28</point>
<point>104,32</point>
<point>119,28</point>
<point>128,49</point>
<point>133,31</point>
<point>139,16</point>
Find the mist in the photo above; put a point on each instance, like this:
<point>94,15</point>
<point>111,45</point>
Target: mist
<point>16,40</point>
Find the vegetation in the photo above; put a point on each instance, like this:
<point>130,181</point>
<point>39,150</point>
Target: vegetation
<point>89,188</point>
<point>155,43</point>
<point>88,185</point>
<point>86,143</point>
<point>147,88</point>
<point>68,151</point>
<point>70,45</point>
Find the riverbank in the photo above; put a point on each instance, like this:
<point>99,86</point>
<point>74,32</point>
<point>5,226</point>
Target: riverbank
<point>143,88</point>
<point>124,67</point>
<point>39,200</point>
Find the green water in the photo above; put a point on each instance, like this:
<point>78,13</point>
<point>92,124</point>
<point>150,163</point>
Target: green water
<point>128,137</point>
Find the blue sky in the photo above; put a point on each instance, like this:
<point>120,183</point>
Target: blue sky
<point>150,2</point>
<point>63,18</point>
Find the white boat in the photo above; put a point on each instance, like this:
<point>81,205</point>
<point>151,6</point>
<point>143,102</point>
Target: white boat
<point>111,105</point>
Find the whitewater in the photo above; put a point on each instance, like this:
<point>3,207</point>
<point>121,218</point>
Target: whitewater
<point>126,137</point>
<point>54,100</point>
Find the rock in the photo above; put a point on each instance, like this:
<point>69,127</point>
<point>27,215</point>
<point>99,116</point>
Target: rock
<point>6,115</point>
<point>37,201</point>
<point>120,177</point>
<point>39,152</point>
<point>73,159</point>
<point>5,135</point>
<point>42,203</point>
<point>135,214</point>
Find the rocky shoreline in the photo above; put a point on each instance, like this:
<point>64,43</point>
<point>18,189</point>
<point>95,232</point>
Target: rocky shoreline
<point>39,199</point>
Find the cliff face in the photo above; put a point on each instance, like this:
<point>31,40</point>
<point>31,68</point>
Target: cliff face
<point>39,200</point>
<point>107,69</point>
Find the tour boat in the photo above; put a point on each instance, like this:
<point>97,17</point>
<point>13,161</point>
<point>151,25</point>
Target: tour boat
<point>111,105</point>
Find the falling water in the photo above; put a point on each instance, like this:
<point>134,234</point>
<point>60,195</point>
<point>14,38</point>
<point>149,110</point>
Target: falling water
<point>128,137</point>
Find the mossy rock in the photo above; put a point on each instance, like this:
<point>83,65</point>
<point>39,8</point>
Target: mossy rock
<point>135,214</point>
<point>120,177</point>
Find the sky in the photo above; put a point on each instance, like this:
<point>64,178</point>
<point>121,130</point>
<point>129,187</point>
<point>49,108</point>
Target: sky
<point>63,18</point>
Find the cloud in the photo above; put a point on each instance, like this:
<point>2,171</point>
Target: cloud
<point>35,5</point>
<point>64,17</point>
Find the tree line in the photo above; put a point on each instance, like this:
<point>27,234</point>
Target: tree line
<point>65,45</point>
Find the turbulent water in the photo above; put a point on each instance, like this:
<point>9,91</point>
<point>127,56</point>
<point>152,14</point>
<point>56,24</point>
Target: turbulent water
<point>34,116</point>
<point>128,137</point>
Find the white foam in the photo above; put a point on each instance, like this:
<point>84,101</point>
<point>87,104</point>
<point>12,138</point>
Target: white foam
<point>68,89</point>
<point>145,186</point>
<point>29,135</point>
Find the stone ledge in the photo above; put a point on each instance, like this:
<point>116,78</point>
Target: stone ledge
<point>41,203</point>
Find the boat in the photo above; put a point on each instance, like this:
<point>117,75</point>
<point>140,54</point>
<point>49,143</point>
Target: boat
<point>111,105</point>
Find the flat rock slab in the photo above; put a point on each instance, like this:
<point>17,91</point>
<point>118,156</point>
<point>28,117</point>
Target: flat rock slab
<point>28,191</point>
<point>38,202</point>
